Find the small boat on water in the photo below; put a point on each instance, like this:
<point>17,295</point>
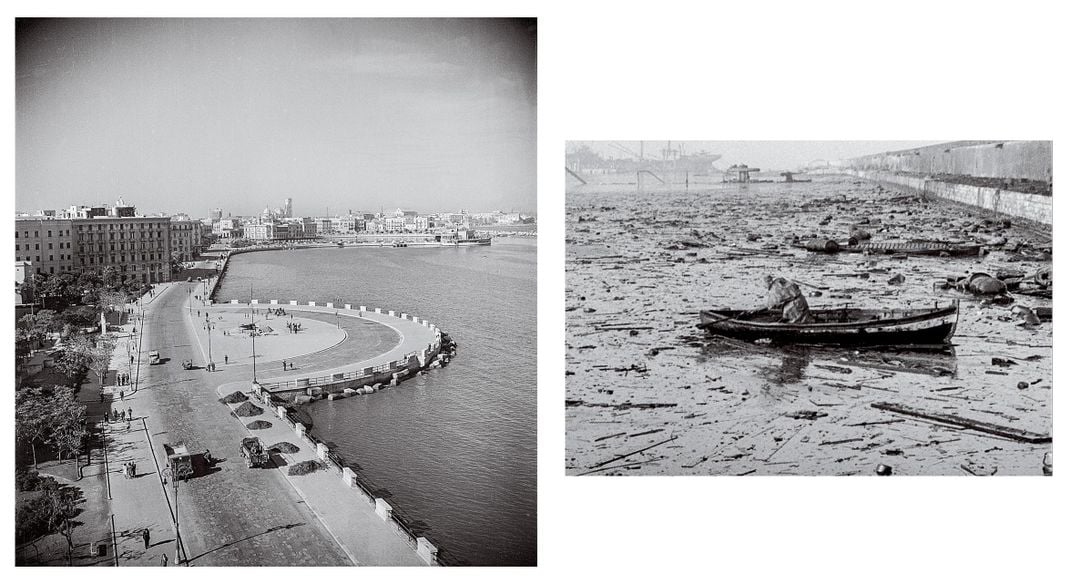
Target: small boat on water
<point>842,326</point>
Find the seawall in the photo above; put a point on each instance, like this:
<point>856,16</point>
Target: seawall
<point>1025,159</point>
<point>945,171</point>
<point>363,491</point>
<point>1036,209</point>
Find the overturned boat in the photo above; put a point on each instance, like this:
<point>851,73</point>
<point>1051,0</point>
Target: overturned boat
<point>840,326</point>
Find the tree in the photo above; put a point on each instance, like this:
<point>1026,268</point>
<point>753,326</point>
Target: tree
<point>110,278</point>
<point>176,263</point>
<point>112,300</point>
<point>101,356</point>
<point>30,332</point>
<point>80,316</point>
<point>32,418</point>
<point>75,358</point>
<point>54,417</point>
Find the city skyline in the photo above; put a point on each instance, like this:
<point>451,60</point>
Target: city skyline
<point>334,113</point>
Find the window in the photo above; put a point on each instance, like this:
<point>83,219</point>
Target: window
<point>50,257</point>
<point>50,233</point>
<point>36,234</point>
<point>50,245</point>
<point>37,246</point>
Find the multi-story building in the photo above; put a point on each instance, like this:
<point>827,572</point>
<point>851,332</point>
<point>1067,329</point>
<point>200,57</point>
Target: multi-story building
<point>260,230</point>
<point>46,243</point>
<point>228,228</point>
<point>394,224</point>
<point>139,248</point>
<point>185,239</point>
<point>346,224</point>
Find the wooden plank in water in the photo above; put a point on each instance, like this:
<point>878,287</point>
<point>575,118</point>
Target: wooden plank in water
<point>986,427</point>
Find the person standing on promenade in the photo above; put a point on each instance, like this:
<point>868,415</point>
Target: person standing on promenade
<point>129,414</point>
<point>145,537</point>
<point>226,359</point>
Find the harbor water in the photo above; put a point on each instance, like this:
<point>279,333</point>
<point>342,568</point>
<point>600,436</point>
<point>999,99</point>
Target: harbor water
<point>454,450</point>
<point>640,377</point>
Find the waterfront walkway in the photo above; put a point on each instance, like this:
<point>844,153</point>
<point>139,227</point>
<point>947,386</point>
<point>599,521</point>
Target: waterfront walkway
<point>366,538</point>
<point>228,514</point>
<point>370,339</point>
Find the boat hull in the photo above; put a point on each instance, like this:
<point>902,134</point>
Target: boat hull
<point>839,326</point>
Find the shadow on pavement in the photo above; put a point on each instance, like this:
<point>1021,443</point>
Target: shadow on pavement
<point>238,541</point>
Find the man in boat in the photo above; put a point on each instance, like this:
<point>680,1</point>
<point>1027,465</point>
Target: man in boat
<point>785,295</point>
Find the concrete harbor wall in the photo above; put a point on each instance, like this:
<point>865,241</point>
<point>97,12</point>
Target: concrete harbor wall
<point>1027,159</point>
<point>1032,207</point>
<point>937,171</point>
<point>364,493</point>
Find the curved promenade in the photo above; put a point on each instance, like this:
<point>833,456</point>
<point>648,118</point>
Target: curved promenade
<point>347,363</point>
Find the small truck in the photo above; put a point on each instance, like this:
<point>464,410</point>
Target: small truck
<point>179,461</point>
<point>154,357</point>
<point>253,452</point>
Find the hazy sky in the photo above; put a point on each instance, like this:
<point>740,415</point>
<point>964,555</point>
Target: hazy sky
<point>772,155</point>
<point>184,115</point>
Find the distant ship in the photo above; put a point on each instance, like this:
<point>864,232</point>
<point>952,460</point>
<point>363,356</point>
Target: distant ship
<point>672,159</point>
<point>699,163</point>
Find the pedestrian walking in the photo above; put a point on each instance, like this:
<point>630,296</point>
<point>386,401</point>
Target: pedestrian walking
<point>131,359</point>
<point>130,413</point>
<point>226,359</point>
<point>121,393</point>
<point>145,537</point>
<point>164,561</point>
<point>101,397</point>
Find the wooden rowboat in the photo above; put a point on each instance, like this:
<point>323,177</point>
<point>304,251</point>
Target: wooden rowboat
<point>841,326</point>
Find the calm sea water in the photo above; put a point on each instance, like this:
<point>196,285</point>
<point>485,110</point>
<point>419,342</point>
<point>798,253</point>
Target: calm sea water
<point>455,449</point>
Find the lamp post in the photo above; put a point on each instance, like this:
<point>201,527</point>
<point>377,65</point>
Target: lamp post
<point>253,338</point>
<point>208,326</point>
<point>178,538</point>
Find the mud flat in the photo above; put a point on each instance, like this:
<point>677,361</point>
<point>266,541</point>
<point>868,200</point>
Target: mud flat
<point>648,393</point>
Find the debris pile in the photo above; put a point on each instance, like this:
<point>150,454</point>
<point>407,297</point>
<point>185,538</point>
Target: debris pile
<point>248,409</point>
<point>305,467</point>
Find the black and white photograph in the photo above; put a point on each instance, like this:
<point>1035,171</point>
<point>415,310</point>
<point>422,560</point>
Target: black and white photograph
<point>809,308</point>
<point>275,292</point>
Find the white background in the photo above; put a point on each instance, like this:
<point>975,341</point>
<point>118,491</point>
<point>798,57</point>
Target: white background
<point>742,71</point>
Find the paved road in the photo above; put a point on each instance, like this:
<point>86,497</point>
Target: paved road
<point>232,515</point>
